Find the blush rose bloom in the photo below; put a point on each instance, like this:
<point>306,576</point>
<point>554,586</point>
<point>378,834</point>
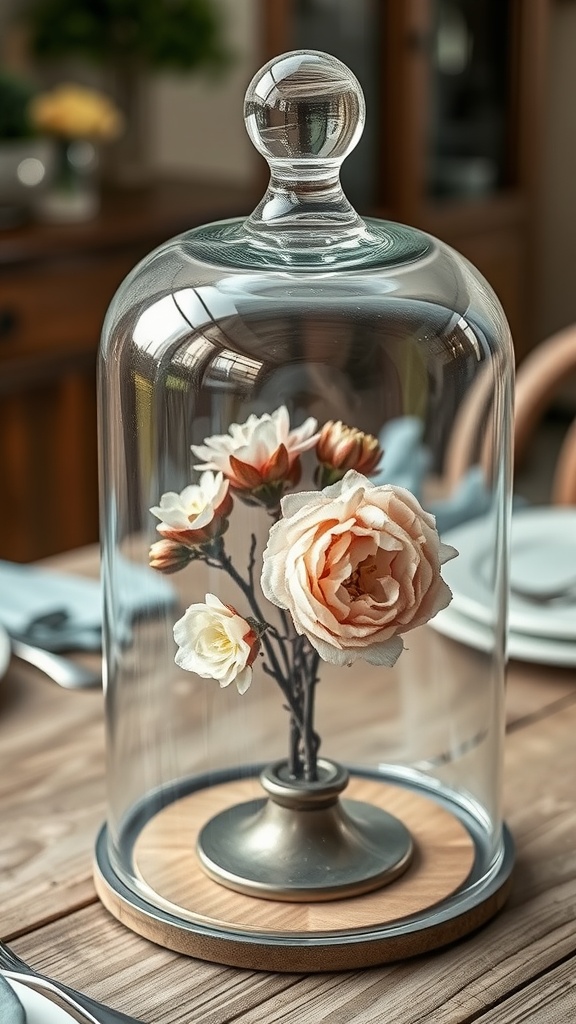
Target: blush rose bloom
<point>356,565</point>
<point>198,514</point>
<point>261,453</point>
<point>215,642</point>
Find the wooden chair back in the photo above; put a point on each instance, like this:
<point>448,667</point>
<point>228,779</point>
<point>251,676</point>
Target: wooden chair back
<point>537,381</point>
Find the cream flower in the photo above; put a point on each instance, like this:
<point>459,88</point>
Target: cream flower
<point>198,514</point>
<point>215,642</point>
<point>356,566</point>
<point>261,456</point>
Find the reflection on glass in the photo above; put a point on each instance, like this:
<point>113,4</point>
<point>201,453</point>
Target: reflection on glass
<point>350,31</point>
<point>220,348</point>
<point>469,97</point>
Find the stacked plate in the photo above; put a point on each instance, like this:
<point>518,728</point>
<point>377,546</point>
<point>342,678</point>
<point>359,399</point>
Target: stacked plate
<point>4,651</point>
<point>542,610</point>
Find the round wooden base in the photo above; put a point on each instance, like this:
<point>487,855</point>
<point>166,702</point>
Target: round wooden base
<point>176,905</point>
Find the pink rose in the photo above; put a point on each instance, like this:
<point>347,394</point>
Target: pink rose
<point>356,566</point>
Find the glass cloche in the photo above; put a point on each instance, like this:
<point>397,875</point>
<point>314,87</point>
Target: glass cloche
<point>305,450</point>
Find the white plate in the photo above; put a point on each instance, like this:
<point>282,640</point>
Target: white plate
<point>543,554</point>
<point>38,1009</point>
<point>4,651</point>
<point>540,650</point>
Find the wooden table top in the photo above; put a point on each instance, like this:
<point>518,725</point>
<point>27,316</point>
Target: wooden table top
<point>521,966</point>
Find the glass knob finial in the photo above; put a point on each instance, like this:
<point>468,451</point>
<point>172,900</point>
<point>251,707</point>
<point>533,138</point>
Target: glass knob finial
<point>304,106</point>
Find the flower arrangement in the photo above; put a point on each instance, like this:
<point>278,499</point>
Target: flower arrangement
<point>351,567</point>
<point>72,111</point>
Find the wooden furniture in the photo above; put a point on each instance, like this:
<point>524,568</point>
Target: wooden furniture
<point>538,380</point>
<point>55,285</point>
<point>455,92</point>
<point>520,965</point>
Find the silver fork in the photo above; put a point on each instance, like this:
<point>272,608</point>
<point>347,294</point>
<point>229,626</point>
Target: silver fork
<point>80,1007</point>
<point>563,592</point>
<point>69,674</point>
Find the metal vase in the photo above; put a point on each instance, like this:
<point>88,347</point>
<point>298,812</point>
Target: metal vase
<point>302,843</point>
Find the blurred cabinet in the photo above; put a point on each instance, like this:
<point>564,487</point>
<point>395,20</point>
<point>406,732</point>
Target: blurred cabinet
<point>55,286</point>
<point>454,92</point>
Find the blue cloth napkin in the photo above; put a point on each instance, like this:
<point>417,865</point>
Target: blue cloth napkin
<point>405,463</point>
<point>11,1009</point>
<point>61,612</point>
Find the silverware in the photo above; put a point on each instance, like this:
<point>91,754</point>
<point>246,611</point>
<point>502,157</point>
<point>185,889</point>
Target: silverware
<point>80,1007</point>
<point>546,595</point>
<point>67,673</point>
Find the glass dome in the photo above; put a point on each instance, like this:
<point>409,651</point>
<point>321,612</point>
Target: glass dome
<point>305,462</point>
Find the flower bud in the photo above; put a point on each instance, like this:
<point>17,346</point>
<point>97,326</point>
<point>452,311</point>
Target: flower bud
<point>168,556</point>
<point>341,448</point>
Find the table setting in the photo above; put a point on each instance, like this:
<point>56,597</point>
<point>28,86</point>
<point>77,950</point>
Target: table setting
<point>293,779</point>
<point>27,997</point>
<point>542,606</point>
<point>520,959</point>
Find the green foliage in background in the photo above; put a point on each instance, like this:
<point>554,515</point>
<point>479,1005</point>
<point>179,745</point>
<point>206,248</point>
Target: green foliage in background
<point>15,96</point>
<point>176,34</point>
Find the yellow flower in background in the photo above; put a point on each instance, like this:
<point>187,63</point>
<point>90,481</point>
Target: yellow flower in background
<point>76,112</point>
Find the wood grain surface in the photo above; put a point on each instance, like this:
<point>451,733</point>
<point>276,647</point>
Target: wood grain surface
<point>521,966</point>
<point>164,859</point>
